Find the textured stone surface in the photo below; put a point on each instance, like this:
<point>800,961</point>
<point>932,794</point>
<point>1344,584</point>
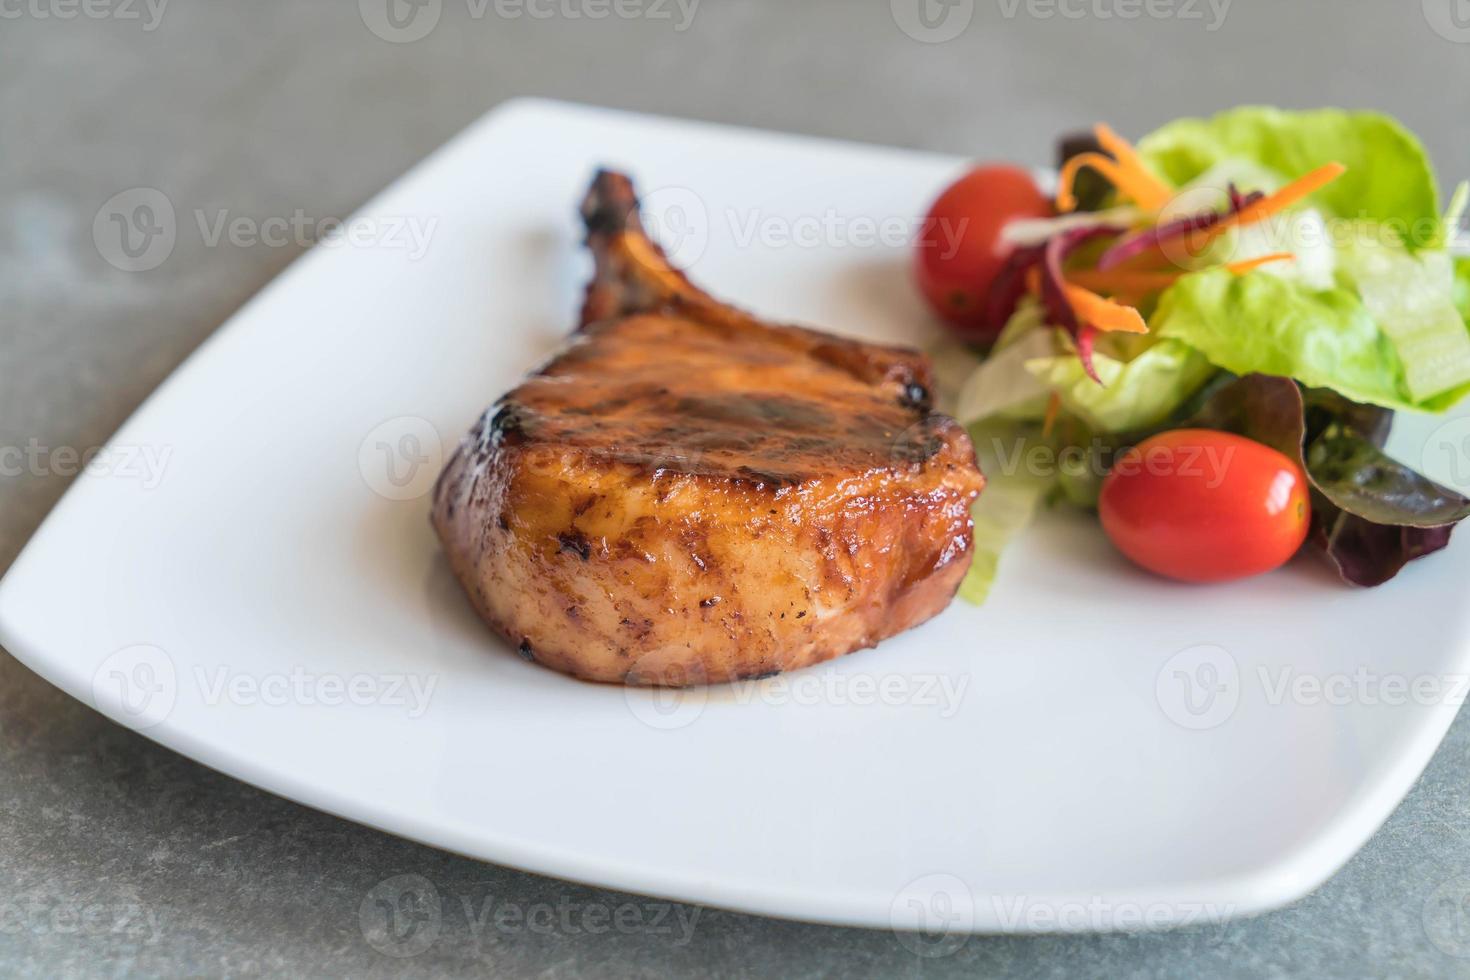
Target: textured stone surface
<point>118,857</point>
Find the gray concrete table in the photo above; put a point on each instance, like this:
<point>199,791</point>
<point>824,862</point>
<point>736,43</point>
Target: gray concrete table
<point>118,857</point>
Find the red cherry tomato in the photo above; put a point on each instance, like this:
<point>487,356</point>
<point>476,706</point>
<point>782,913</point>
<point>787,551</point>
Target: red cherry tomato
<point>959,249</point>
<point>1204,506</point>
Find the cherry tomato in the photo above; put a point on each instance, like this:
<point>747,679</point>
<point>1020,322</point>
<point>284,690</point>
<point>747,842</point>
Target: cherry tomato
<point>1204,506</point>
<point>959,248</point>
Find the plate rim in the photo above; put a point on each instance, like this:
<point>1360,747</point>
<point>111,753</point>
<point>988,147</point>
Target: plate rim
<point>1275,883</point>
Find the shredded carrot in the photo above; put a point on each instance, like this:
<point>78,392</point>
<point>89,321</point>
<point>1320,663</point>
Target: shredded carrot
<point>1123,169</point>
<point>1291,193</point>
<point>1246,265</point>
<point>1104,314</point>
<point>1271,204</point>
<point>1091,308</point>
<point>1136,283</point>
<point>1053,409</point>
<point>1148,191</point>
<point>1150,260</point>
<point>1122,282</point>
<point>1110,315</point>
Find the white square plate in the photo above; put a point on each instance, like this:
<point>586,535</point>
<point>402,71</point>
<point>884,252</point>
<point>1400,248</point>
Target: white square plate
<point>1093,748</point>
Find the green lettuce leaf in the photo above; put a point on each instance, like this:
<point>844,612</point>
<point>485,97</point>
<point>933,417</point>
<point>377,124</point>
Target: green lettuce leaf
<point>1013,492</point>
<point>1391,271</point>
<point>1370,307</point>
<point>1001,386</point>
<point>1136,393</point>
<point>1453,213</point>
<point>1263,324</point>
<point>1411,296</point>
<point>1462,287</point>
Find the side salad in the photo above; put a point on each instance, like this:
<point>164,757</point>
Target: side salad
<point>1204,338</point>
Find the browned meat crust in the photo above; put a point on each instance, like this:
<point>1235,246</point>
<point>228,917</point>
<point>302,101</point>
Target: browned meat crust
<point>690,495</point>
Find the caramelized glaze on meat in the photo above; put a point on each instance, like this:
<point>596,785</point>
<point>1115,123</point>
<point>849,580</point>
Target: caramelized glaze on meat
<point>690,495</point>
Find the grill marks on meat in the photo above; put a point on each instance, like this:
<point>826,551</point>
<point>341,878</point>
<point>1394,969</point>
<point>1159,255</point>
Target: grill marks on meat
<point>690,495</point>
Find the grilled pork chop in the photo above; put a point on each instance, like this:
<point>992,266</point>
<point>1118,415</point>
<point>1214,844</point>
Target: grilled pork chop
<point>690,495</point>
